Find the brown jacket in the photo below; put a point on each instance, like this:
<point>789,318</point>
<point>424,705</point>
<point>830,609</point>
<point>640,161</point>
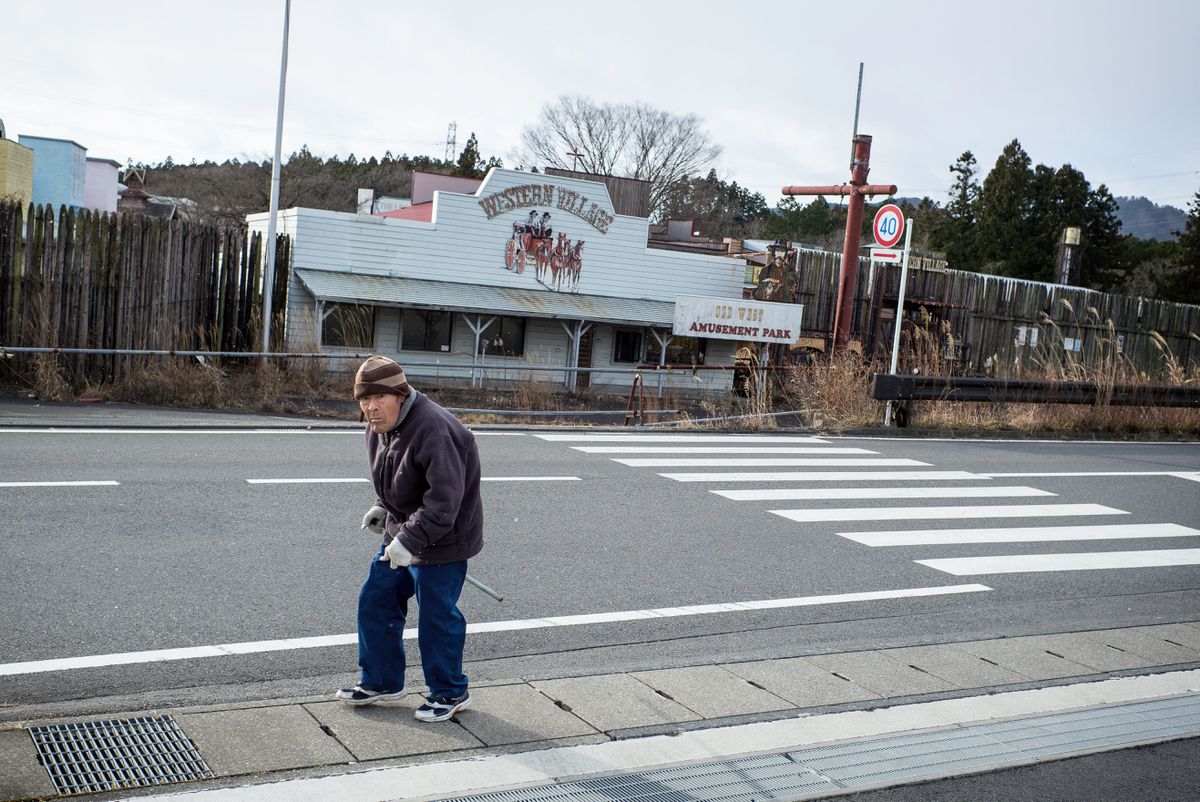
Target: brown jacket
<point>426,475</point>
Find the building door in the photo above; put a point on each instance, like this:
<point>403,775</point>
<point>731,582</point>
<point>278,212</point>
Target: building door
<point>583,380</point>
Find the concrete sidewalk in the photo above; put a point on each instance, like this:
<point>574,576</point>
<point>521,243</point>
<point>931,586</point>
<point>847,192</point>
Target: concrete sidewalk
<point>287,740</point>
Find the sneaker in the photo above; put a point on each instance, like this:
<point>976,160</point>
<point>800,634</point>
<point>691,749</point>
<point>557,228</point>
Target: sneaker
<point>358,695</point>
<point>440,708</point>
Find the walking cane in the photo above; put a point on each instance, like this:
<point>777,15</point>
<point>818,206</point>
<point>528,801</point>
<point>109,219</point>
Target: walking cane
<point>484,588</point>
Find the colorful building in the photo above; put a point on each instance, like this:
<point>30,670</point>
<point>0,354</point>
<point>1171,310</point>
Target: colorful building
<point>16,170</point>
<point>59,171</point>
<point>100,185</point>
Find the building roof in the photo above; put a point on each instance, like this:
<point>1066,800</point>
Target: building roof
<point>34,137</point>
<point>418,211</point>
<point>451,296</point>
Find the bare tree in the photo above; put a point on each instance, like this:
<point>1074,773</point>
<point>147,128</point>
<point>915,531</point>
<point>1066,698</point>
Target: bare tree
<point>626,139</point>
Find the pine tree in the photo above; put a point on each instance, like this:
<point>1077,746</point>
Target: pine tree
<point>1004,210</point>
<point>955,232</point>
<point>1185,286</point>
<point>469,161</point>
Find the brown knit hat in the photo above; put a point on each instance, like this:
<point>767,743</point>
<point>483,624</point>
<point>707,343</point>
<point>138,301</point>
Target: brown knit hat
<point>380,375</point>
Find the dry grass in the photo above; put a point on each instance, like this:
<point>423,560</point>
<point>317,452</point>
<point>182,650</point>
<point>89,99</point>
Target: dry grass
<point>48,381</point>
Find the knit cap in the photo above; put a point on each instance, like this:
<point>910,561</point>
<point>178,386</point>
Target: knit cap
<point>378,374</point>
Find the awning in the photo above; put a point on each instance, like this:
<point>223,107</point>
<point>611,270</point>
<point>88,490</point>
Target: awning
<point>362,288</point>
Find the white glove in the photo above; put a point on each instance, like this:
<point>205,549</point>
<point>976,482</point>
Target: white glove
<point>374,520</point>
<point>397,555</point>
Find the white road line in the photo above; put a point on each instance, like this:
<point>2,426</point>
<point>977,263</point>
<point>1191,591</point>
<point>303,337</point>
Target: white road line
<point>255,647</point>
<point>825,476</point>
<point>102,483</point>
<point>746,439</point>
<point>919,513</point>
<point>530,479</point>
<point>1180,474</point>
<point>330,481</point>
<point>296,430</point>
<point>721,450</point>
<point>1191,477</point>
<point>1025,534</point>
<point>1079,561</point>
<point>830,493</point>
<point>772,462</point>
<point>69,430</point>
<point>350,480</point>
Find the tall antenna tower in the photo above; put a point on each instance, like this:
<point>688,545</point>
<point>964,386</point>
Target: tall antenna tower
<point>451,141</point>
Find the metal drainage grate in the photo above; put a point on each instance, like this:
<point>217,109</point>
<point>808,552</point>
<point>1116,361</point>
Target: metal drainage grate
<point>110,755</point>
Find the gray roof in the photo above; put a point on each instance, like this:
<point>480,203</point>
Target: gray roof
<point>455,297</point>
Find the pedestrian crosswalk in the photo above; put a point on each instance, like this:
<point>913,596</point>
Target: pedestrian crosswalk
<point>852,474</point>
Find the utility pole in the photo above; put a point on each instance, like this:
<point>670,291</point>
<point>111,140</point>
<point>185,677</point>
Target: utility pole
<point>856,190</point>
<point>269,277</point>
<point>860,165</point>
<point>575,157</point>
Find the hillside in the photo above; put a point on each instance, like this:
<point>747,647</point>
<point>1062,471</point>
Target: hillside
<point>1145,219</point>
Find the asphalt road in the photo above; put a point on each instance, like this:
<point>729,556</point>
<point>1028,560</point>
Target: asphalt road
<point>184,551</point>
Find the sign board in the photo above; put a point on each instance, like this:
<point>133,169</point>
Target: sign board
<point>736,319</point>
<point>887,255</point>
<point>889,225</point>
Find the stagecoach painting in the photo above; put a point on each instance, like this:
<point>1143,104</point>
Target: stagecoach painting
<point>556,260</point>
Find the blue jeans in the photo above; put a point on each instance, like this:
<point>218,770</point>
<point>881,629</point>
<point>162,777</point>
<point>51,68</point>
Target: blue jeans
<point>441,627</point>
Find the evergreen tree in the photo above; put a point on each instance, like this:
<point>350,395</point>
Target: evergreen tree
<point>1185,284</point>
<point>954,232</point>
<point>469,161</point>
<point>1004,211</point>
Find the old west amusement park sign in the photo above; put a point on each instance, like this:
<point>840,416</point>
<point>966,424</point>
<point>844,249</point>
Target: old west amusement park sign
<point>557,260</point>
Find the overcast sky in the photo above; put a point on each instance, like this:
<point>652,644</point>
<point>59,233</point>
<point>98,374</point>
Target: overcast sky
<point>1109,86</point>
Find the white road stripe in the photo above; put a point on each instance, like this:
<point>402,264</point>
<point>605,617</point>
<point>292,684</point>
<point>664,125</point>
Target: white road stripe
<point>101,483</point>
<point>349,480</point>
<point>919,513</point>
<point>721,450</point>
<point>256,647</point>
<point>1079,561</point>
<point>530,479</point>
<point>824,476</point>
<point>70,430</point>
<point>826,494</point>
<point>297,430</point>
<point>746,439</point>
<point>1026,534</point>
<point>342,480</point>
<point>771,462</point>
<point>1182,475</point>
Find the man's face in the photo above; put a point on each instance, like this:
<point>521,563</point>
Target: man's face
<point>382,410</point>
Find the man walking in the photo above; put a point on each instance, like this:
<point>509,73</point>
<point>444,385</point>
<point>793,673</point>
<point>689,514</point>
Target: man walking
<point>425,467</point>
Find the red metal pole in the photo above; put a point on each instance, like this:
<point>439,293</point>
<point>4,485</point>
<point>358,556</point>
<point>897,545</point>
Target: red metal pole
<point>849,272</point>
<point>856,189</point>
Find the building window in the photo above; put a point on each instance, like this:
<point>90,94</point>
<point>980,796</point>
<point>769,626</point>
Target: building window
<point>425,330</point>
<point>627,346</point>
<point>348,326</point>
<point>504,336</point>
<point>680,351</point>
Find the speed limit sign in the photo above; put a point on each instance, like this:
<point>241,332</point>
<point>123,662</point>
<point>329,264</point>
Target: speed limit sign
<point>889,225</point>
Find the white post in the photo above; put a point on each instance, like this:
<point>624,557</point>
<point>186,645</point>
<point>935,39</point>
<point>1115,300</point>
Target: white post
<point>887,415</point>
<point>663,342</point>
<point>269,276</point>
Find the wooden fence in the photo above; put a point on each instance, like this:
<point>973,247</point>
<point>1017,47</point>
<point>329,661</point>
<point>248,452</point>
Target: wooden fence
<point>998,325</point>
<point>120,281</point>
